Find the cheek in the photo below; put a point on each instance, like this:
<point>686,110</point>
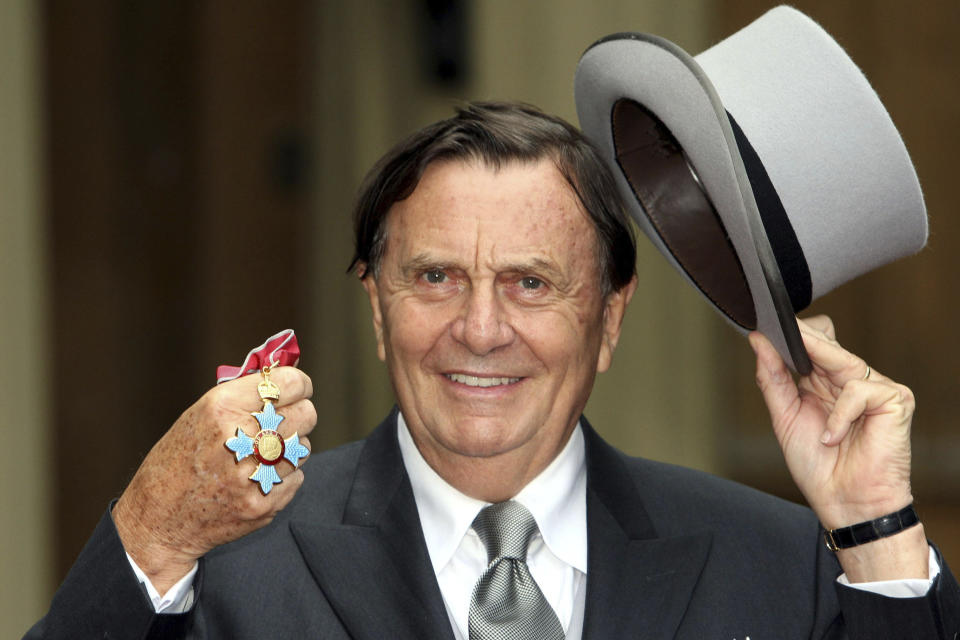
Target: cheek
<point>561,339</point>
<point>410,332</point>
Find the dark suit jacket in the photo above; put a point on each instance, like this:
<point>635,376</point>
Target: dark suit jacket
<point>673,553</point>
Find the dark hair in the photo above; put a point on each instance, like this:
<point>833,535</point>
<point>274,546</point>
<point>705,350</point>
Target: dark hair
<point>496,133</point>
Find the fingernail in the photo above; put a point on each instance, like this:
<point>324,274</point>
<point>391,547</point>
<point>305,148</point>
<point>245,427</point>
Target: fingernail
<point>825,438</point>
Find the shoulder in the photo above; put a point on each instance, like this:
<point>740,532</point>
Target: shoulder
<point>748,528</point>
<point>332,470</point>
<point>677,496</point>
<point>679,500</point>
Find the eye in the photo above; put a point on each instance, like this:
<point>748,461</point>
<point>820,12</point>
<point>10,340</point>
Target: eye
<point>435,276</point>
<point>531,283</point>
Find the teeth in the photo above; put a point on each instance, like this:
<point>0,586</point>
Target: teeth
<point>474,381</point>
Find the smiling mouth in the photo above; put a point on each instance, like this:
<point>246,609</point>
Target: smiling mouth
<point>477,381</point>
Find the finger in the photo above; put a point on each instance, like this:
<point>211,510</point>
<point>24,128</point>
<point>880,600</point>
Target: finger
<point>306,442</point>
<point>290,480</point>
<point>861,398</point>
<point>775,381</point>
<point>242,393</point>
<point>283,493</point>
<point>285,469</point>
<point>294,385</point>
<point>821,323</point>
<point>299,417</point>
<point>830,358</point>
<point>254,505</point>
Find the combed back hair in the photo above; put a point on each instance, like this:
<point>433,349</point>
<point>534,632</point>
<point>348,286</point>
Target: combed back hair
<point>497,133</point>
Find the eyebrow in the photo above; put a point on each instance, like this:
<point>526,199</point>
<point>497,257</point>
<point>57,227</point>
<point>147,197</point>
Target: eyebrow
<point>535,265</point>
<point>424,261</point>
<point>421,262</point>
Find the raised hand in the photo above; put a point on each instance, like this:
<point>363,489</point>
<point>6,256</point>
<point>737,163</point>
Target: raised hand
<point>191,495</point>
<point>845,434</point>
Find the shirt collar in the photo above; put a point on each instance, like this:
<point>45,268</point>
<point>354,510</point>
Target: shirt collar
<point>557,498</point>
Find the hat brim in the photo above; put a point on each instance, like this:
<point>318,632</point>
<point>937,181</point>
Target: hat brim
<point>668,83</point>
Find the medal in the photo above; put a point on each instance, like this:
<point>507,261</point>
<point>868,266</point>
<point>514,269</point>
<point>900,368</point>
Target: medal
<point>268,447</point>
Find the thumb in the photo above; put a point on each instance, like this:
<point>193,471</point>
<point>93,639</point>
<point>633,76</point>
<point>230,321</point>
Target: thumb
<point>776,383</point>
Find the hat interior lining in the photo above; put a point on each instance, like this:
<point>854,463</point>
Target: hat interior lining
<point>665,184</point>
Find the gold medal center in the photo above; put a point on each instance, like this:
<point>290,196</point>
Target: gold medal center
<point>270,447</point>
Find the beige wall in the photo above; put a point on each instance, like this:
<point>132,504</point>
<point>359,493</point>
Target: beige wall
<point>24,495</point>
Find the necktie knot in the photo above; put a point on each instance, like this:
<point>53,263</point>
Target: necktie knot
<point>507,603</point>
<point>506,529</point>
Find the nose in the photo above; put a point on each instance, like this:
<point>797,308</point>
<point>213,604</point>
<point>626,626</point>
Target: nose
<point>482,325</point>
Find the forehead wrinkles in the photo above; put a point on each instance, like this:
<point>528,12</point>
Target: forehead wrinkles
<point>540,231</point>
<point>543,216</point>
<point>484,214</point>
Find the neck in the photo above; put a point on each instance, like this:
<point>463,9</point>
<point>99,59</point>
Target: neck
<point>493,478</point>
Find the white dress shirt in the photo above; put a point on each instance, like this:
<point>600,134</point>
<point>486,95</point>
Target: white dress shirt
<point>557,556</point>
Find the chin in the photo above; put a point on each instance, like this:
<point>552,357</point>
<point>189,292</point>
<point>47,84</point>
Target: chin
<point>481,439</point>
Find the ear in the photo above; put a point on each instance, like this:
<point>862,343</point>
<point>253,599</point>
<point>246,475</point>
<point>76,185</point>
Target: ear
<point>614,309</point>
<point>370,284</point>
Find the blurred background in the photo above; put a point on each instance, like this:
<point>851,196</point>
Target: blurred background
<point>176,181</point>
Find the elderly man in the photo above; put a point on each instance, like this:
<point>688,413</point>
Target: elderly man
<point>499,265</point>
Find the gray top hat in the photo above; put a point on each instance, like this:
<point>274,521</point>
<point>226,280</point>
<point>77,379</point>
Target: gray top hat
<point>765,170</point>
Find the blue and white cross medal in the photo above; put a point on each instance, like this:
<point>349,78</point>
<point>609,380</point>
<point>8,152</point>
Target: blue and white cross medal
<point>268,447</point>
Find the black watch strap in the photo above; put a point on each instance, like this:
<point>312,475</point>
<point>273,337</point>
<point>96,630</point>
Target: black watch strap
<point>871,530</point>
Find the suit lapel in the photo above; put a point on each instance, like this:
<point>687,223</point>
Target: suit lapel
<point>375,570</point>
<point>374,567</point>
<point>638,585</point>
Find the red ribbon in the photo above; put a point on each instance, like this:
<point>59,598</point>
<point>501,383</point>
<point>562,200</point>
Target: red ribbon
<point>278,350</point>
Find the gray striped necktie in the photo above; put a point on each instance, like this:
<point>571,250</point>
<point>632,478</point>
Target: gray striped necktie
<point>507,604</point>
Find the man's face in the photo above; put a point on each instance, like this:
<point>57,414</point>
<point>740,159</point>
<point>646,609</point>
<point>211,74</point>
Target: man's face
<point>489,314</point>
